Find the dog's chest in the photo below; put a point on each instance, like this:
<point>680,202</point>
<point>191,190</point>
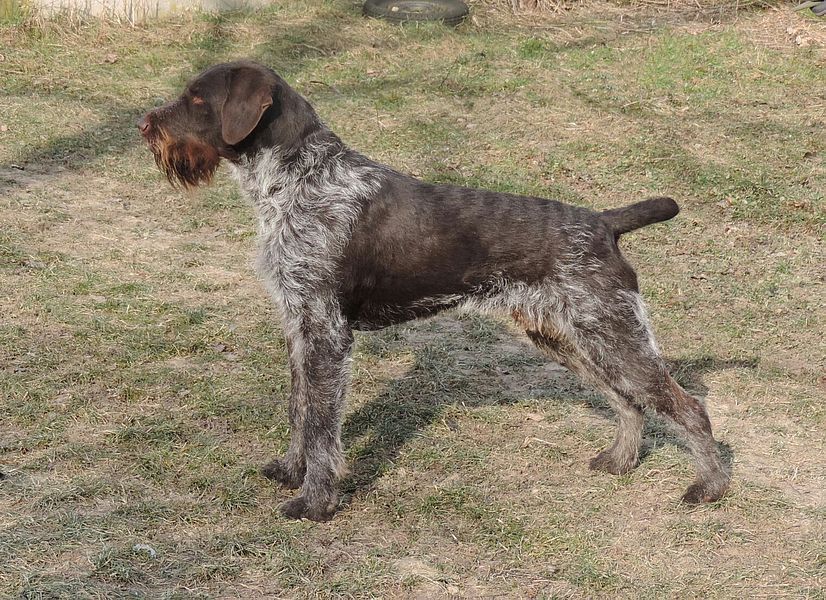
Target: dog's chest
<point>305,220</point>
<point>297,236</point>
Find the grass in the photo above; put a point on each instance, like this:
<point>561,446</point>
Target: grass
<point>143,373</point>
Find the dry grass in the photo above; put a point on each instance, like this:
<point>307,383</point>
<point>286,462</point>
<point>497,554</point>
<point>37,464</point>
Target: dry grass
<point>142,370</point>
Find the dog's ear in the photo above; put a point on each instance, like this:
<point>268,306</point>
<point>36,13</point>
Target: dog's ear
<point>248,96</point>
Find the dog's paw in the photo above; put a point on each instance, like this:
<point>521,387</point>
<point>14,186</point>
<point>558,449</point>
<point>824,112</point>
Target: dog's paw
<point>605,461</point>
<point>699,493</point>
<point>277,470</point>
<point>298,508</point>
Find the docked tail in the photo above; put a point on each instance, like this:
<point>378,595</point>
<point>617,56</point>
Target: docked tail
<point>628,218</point>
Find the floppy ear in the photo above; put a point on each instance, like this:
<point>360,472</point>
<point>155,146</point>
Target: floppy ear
<point>249,95</point>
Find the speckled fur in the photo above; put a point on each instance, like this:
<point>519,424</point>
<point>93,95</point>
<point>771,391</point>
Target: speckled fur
<point>306,210</point>
<point>346,243</point>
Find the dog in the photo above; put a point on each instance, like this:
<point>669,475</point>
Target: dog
<point>348,244</point>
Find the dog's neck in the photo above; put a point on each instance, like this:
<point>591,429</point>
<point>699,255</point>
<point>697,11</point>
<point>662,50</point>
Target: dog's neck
<point>321,178</point>
<point>274,174</point>
<point>294,169</point>
<point>307,200</point>
<point>286,152</point>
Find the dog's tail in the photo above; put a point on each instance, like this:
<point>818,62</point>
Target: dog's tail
<point>628,218</point>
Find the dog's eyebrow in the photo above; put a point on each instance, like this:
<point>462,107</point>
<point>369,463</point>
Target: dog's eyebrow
<point>194,94</point>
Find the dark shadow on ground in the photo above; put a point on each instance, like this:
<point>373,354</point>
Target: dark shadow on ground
<point>413,402</point>
<point>689,372</point>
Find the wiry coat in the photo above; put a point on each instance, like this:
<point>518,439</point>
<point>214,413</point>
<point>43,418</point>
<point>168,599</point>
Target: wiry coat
<point>346,243</point>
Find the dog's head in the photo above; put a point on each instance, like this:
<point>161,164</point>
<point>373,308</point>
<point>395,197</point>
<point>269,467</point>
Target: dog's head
<point>217,111</point>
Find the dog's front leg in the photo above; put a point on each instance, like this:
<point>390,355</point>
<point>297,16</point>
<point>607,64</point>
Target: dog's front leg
<point>320,343</point>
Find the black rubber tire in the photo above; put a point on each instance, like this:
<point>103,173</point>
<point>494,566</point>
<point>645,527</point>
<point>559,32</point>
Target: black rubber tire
<point>450,12</point>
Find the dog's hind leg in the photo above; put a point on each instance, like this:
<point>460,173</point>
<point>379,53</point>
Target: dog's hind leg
<point>623,454</point>
<point>320,364</point>
<point>611,346</point>
<point>691,420</point>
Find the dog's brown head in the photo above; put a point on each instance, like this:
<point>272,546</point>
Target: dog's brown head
<point>217,111</point>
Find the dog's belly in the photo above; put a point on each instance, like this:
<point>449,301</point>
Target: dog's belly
<point>373,296</point>
<point>371,315</point>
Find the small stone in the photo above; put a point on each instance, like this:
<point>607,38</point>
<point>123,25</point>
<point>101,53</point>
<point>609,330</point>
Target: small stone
<point>145,548</point>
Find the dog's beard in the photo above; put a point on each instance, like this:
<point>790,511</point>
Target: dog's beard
<point>187,163</point>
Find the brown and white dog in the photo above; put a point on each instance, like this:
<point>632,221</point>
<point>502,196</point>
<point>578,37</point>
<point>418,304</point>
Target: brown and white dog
<point>346,243</point>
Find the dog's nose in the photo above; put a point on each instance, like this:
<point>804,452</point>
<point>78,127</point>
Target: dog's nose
<point>143,125</point>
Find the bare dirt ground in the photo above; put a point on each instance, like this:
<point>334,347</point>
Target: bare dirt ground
<point>142,369</point>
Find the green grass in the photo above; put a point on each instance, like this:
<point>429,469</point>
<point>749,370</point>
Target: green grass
<point>143,374</point>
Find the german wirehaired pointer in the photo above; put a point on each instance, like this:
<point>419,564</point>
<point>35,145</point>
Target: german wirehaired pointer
<point>346,243</point>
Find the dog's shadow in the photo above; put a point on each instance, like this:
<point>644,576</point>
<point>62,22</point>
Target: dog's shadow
<point>376,431</point>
